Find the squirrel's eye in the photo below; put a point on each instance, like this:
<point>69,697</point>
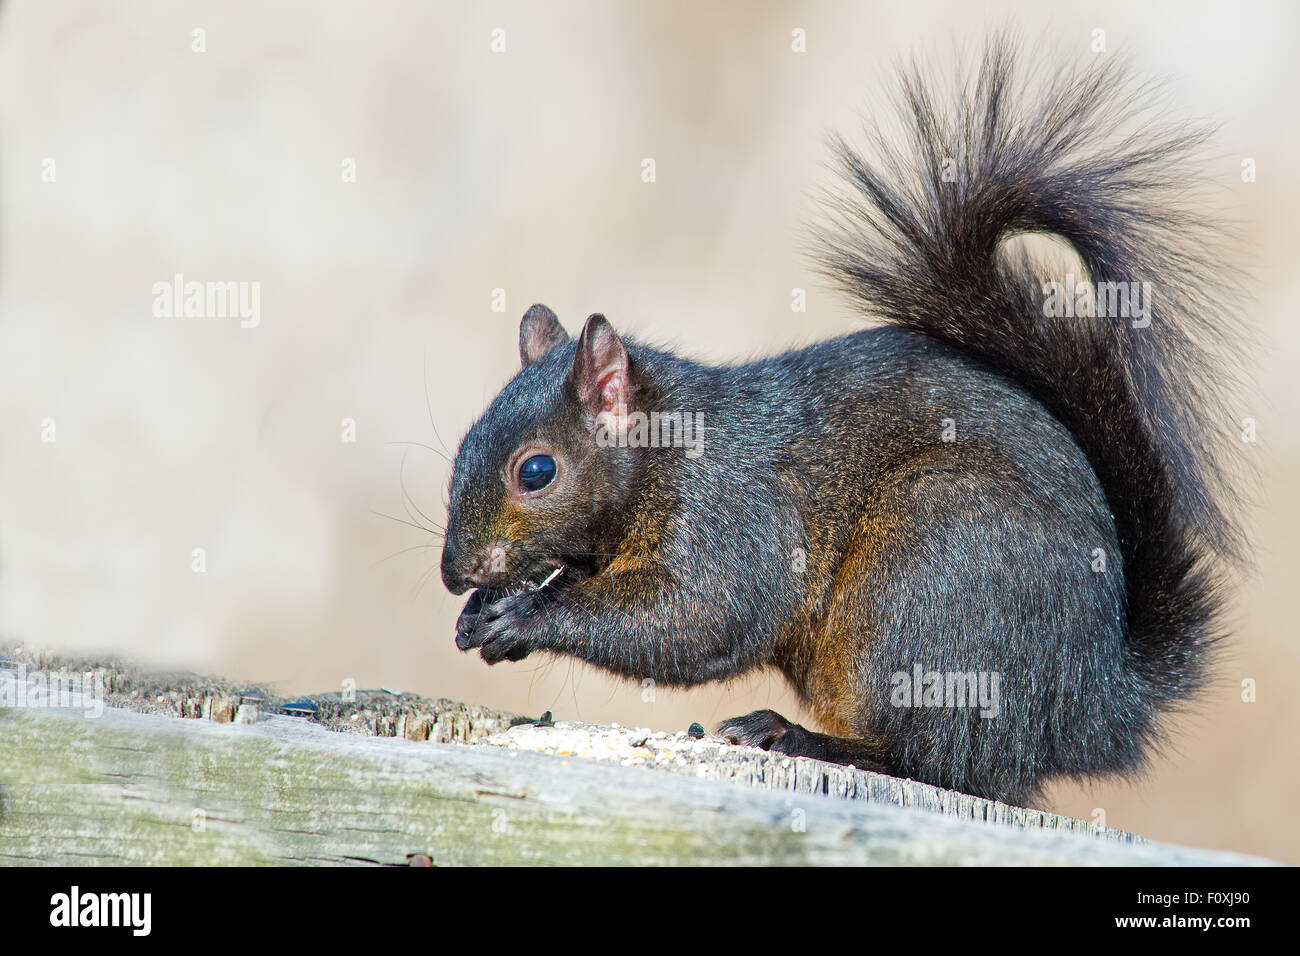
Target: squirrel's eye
<point>536,472</point>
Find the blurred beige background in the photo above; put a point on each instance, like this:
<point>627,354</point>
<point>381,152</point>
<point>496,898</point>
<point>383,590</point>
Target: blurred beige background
<point>478,171</point>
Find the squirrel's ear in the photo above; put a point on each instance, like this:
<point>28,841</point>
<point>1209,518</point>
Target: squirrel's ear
<point>539,332</point>
<point>600,374</point>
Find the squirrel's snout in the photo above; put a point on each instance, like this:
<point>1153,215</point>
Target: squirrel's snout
<point>479,570</point>
<point>453,576</point>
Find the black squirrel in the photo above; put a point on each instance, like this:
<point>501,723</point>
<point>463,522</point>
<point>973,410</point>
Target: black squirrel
<point>992,491</point>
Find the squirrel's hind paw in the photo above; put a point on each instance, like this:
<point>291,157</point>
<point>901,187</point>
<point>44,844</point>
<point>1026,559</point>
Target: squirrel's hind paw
<point>762,729</point>
<point>770,731</point>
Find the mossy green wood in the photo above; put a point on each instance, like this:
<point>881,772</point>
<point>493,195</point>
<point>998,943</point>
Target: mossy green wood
<point>138,788</point>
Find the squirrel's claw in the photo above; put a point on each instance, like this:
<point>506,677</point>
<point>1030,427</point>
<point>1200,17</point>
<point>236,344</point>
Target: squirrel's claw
<point>469,619</point>
<point>505,649</point>
<point>762,728</point>
<point>495,629</point>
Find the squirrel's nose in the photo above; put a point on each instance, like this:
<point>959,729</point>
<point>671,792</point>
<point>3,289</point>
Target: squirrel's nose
<point>460,575</point>
<point>453,576</point>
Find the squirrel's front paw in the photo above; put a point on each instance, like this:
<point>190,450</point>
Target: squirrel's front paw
<point>469,617</point>
<point>762,728</point>
<point>498,630</point>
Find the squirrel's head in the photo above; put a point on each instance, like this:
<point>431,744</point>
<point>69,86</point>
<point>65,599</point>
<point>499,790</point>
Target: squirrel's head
<point>536,484</point>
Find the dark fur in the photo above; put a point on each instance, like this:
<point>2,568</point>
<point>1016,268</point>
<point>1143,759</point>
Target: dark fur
<point>975,555</point>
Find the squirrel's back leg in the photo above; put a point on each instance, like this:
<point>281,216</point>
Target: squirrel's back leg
<point>965,581</point>
<point>825,679</point>
<point>770,731</point>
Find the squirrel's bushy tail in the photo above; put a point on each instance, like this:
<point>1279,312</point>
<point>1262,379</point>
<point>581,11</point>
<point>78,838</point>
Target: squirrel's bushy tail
<point>1082,155</point>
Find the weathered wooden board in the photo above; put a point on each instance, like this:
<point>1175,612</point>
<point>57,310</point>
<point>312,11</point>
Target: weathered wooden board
<point>133,787</point>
